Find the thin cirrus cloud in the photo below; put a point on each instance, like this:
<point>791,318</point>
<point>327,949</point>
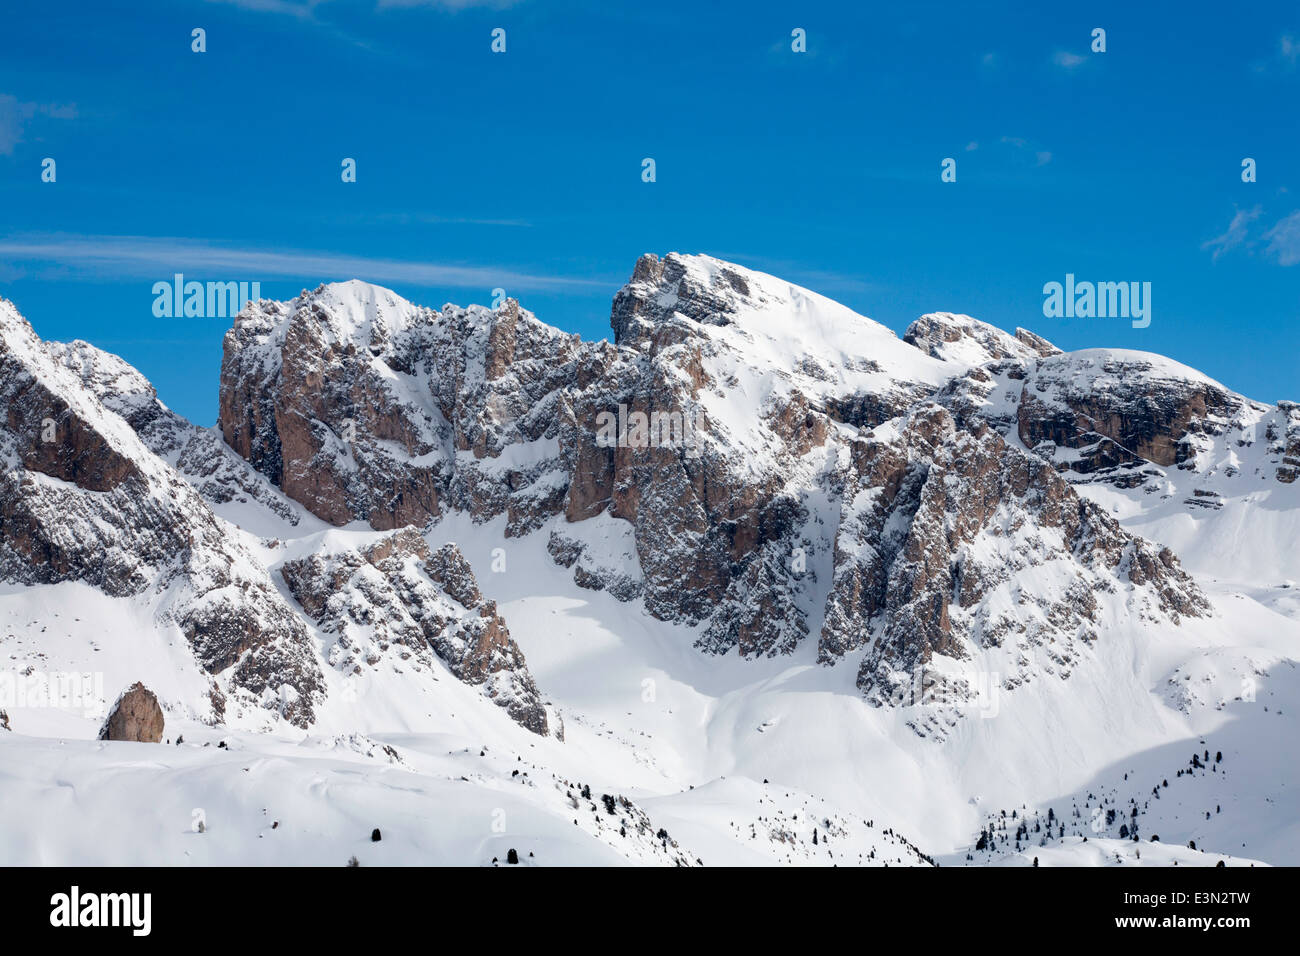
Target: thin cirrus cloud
<point>1284,240</point>
<point>311,14</point>
<point>1281,240</point>
<point>15,115</point>
<point>302,10</point>
<point>1284,57</point>
<point>1289,51</point>
<point>1236,235</point>
<point>156,257</point>
<point>1067,60</point>
<point>449,4</point>
<point>306,9</point>
<point>1041,156</point>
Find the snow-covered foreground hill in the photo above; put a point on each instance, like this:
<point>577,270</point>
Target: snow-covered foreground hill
<point>737,762</point>
<point>972,661</point>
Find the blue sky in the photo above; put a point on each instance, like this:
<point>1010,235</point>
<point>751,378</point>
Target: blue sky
<point>523,170</point>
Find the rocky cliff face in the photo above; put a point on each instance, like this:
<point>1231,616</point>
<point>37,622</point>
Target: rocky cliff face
<point>1121,408</point>
<point>93,422</point>
<point>83,499</point>
<point>711,384</point>
<point>954,545</point>
<point>746,457</point>
<point>200,455</point>
<point>398,597</point>
<point>1130,419</point>
<point>962,339</point>
<point>360,406</point>
<point>1285,437</point>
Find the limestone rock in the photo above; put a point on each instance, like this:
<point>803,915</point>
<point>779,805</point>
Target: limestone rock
<point>398,598</point>
<point>136,717</point>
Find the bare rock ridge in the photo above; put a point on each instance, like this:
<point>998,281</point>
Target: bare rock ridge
<point>746,457</point>
<point>397,596</point>
<point>131,514</point>
<point>82,498</point>
<point>940,528</point>
<point>792,476</point>
<point>1284,435</point>
<point>1103,414</point>
<point>199,454</point>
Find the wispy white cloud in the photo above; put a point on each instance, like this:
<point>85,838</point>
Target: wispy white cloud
<point>1281,241</point>
<point>314,13</point>
<point>450,4</point>
<point>1041,156</point>
<point>1235,235</point>
<point>1284,240</point>
<point>301,9</point>
<point>306,9</point>
<point>1067,60</point>
<point>151,257</point>
<point>1289,51</point>
<point>16,115</point>
<point>1285,56</point>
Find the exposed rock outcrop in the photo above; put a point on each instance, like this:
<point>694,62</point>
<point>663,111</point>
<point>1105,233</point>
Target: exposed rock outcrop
<point>398,597</point>
<point>960,338</point>
<point>1287,439</point>
<point>952,543</point>
<point>1102,415</point>
<point>720,431</point>
<point>746,458</point>
<point>82,498</point>
<point>199,454</point>
<point>136,716</point>
<point>1116,408</point>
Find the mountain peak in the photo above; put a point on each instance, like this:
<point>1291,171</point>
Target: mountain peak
<point>714,292</point>
<point>355,310</point>
<point>954,337</point>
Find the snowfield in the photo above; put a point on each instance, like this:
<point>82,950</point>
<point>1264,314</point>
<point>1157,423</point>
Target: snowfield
<point>738,762</point>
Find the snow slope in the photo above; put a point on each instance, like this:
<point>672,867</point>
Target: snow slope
<point>708,748</point>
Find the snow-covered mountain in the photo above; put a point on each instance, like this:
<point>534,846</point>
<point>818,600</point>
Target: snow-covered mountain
<point>756,582</point>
